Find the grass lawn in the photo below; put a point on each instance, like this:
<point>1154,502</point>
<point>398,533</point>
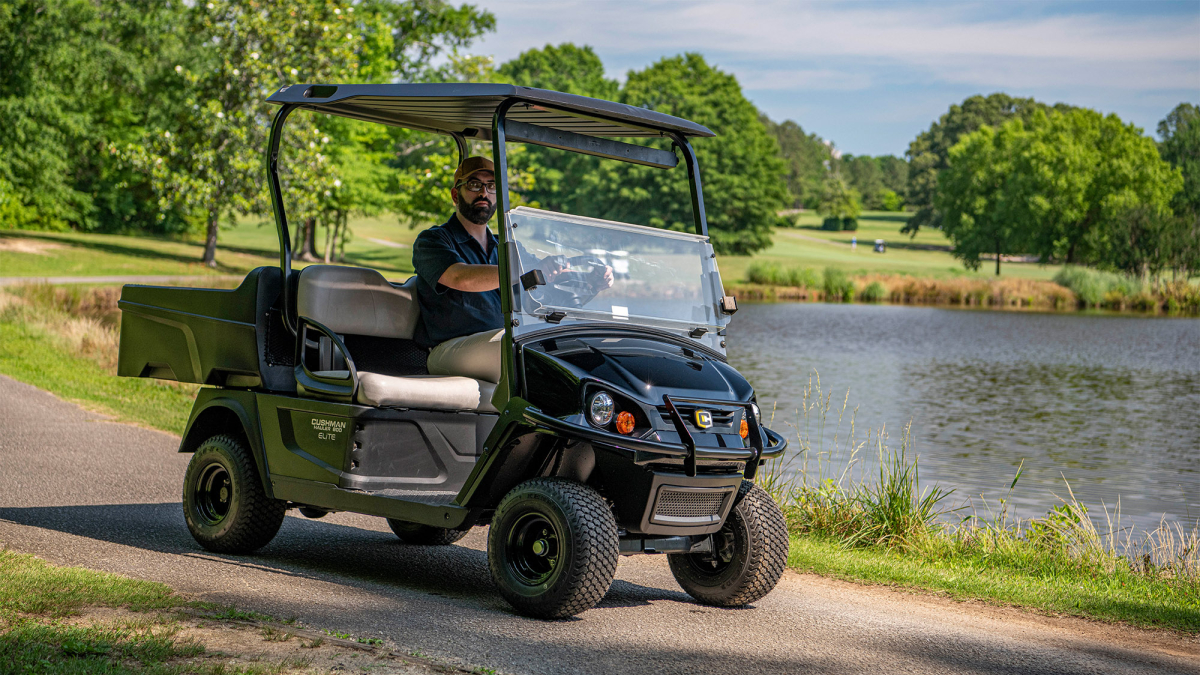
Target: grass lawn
<point>385,244</point>
<point>1121,596</point>
<point>75,621</point>
<point>381,243</point>
<point>928,255</point>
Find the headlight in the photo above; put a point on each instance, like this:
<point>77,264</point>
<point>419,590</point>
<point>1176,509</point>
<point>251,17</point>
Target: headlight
<point>757,414</point>
<point>601,409</point>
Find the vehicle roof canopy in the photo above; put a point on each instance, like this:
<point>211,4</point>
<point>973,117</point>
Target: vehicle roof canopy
<point>467,109</point>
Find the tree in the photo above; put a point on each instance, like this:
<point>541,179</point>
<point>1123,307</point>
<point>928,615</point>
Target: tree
<point>929,152</point>
<point>572,70</point>
<point>422,33</point>
<point>807,157</point>
<point>973,195</point>
<point>1179,144</point>
<point>209,158</point>
<point>864,175</point>
<point>1074,186</point>
<point>1079,173</point>
<point>838,199</point>
<point>76,76</point>
<point>741,169</point>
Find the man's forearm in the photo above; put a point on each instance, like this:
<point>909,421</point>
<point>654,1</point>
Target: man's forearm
<point>471,278</point>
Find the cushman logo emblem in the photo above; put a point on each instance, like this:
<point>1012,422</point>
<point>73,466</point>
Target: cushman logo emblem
<point>703,419</point>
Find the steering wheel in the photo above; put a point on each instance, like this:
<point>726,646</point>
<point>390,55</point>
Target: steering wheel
<point>571,287</point>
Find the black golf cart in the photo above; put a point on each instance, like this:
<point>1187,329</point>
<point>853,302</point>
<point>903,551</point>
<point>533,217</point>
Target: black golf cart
<point>616,427</point>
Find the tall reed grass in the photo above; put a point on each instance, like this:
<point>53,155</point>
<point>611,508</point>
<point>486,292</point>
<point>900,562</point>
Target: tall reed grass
<point>1094,288</point>
<point>865,491</point>
<point>1073,288</point>
<point>85,320</point>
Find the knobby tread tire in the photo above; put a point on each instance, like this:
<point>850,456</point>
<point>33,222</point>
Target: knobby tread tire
<point>759,567</point>
<point>424,535</point>
<point>257,518</point>
<point>592,564</point>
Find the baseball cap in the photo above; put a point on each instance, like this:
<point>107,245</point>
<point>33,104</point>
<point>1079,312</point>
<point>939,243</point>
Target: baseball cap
<point>472,165</point>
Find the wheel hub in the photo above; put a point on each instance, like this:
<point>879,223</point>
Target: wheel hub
<point>213,493</point>
<point>533,549</point>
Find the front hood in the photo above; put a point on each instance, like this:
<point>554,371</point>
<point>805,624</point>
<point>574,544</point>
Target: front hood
<point>642,368</point>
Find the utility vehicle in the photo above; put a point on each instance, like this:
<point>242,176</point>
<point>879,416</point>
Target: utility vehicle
<point>616,427</point>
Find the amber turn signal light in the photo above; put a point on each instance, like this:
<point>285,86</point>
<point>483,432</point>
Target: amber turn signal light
<point>625,422</point>
<point>745,430</point>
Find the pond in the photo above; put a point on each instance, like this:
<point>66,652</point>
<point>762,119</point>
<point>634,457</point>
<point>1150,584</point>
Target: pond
<point>1110,402</point>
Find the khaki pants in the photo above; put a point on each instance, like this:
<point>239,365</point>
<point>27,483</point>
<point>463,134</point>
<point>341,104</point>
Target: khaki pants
<point>476,356</point>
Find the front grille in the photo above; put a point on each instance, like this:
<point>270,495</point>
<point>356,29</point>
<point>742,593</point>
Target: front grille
<point>720,418</point>
<point>689,506</point>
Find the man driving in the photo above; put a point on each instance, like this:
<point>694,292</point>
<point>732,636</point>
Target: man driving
<point>458,280</point>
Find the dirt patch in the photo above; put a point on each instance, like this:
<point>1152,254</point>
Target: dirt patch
<point>22,245</point>
<point>275,647</point>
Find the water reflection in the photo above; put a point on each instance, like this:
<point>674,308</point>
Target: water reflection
<point>1110,402</point>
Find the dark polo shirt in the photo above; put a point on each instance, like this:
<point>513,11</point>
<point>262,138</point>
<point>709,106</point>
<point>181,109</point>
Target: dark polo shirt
<point>445,312</point>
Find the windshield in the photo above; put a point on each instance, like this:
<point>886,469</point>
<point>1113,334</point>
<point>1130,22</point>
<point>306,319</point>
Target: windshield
<point>598,270</point>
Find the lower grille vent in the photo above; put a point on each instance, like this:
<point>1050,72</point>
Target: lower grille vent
<point>689,506</point>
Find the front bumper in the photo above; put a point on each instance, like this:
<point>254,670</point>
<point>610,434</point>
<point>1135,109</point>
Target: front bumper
<point>644,451</point>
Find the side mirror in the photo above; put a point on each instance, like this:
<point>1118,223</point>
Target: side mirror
<point>728,304</point>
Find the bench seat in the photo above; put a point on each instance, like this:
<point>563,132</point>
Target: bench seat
<point>430,392</point>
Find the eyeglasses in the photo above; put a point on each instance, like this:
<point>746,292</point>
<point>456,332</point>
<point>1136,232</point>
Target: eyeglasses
<point>479,186</point>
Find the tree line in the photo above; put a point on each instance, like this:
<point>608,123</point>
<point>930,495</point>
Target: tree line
<point>151,117</point>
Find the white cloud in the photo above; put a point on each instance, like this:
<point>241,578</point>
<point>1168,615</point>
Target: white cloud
<point>944,41</point>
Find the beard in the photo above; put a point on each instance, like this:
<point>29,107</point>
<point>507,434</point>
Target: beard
<point>479,212</point>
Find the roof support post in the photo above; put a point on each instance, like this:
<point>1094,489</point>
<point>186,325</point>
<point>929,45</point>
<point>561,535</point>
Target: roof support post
<point>508,369</point>
<point>461,142</point>
<point>281,226</point>
<point>693,169</point>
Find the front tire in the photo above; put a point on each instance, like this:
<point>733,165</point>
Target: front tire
<point>224,504</point>
<point>424,535</point>
<point>750,552</point>
<point>553,548</point>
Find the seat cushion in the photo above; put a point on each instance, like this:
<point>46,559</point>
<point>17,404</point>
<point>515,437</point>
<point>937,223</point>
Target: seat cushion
<point>358,301</point>
<point>425,391</point>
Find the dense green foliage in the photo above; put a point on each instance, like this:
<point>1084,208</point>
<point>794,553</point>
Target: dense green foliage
<point>75,76</point>
<point>807,158</point>
<point>151,118</point>
<point>929,152</point>
<point>741,169</point>
<point>1073,186</point>
<point>880,180</point>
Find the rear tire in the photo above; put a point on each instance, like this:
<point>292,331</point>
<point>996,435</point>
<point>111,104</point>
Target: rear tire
<point>750,553</point>
<point>226,508</point>
<point>424,535</point>
<point>553,548</point>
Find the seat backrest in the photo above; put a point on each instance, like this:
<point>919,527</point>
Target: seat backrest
<point>357,301</point>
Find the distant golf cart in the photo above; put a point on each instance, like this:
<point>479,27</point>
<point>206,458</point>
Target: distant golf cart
<point>880,246</point>
<point>617,427</point>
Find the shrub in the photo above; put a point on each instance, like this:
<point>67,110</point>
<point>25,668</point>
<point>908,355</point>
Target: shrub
<point>773,274</point>
<point>838,285</point>
<point>850,224</point>
<point>832,223</point>
<point>874,292</point>
<point>1096,288</point>
<point>802,277</point>
<point>762,273</point>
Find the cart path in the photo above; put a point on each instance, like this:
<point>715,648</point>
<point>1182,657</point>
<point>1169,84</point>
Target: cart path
<point>78,490</point>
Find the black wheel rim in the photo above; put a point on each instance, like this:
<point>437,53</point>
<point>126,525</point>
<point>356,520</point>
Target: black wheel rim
<point>723,553</point>
<point>213,494</point>
<point>533,548</point>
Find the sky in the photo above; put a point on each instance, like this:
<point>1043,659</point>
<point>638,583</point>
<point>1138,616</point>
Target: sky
<point>870,76</point>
